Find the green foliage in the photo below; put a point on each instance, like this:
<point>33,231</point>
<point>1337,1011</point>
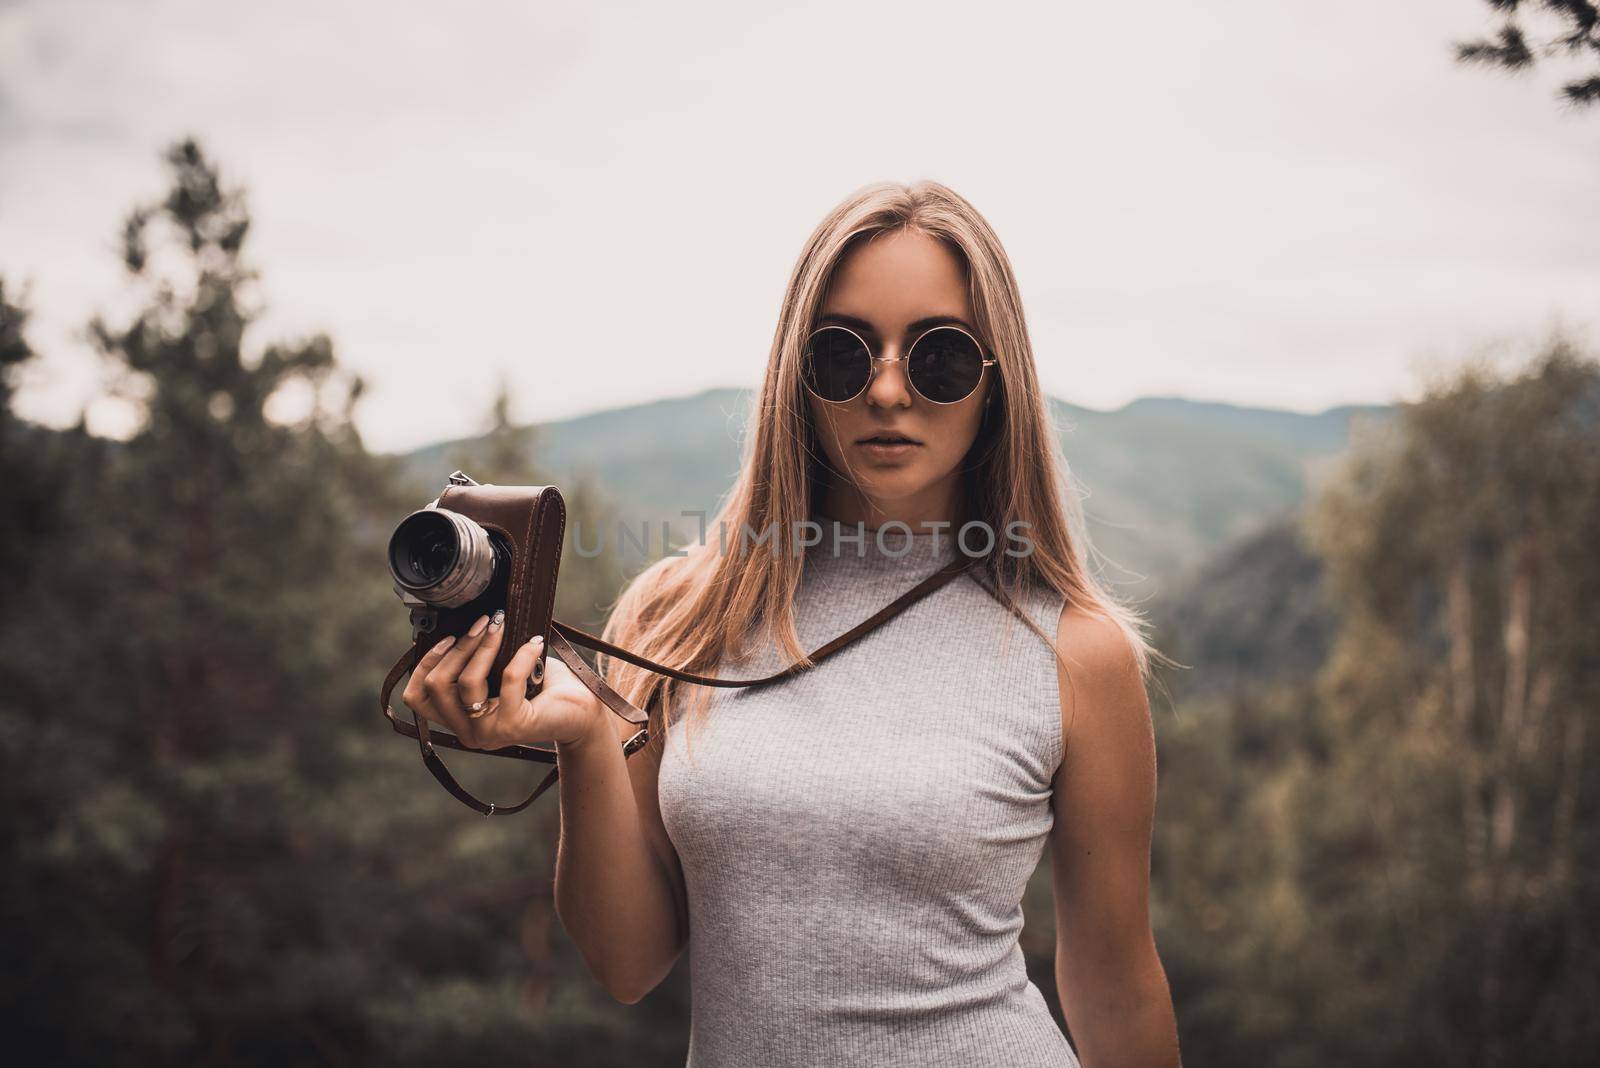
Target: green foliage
<point>1510,49</point>
<point>1386,859</point>
<point>217,850</point>
<point>14,348</point>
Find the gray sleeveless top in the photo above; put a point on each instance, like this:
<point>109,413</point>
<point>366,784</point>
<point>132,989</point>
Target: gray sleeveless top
<point>856,839</point>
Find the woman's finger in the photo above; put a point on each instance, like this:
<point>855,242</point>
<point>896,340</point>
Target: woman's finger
<point>440,684</point>
<point>414,695</point>
<point>514,680</point>
<point>441,681</point>
<point>512,711</point>
<point>473,684</point>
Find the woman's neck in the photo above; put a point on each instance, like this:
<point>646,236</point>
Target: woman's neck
<point>937,508</point>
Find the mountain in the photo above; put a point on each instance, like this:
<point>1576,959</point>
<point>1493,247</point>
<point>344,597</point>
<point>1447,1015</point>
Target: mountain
<point>1254,614</point>
<point>654,460</point>
<point>1169,481</point>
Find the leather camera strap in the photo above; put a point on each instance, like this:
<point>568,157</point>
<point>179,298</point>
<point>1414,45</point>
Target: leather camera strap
<point>560,642</point>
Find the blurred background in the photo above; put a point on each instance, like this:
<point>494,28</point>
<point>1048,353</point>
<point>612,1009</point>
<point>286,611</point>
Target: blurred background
<point>1313,291</point>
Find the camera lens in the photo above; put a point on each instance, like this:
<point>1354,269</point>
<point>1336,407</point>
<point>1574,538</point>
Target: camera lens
<point>423,553</point>
<point>441,557</point>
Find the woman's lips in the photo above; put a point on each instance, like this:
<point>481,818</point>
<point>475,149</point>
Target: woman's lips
<point>884,451</point>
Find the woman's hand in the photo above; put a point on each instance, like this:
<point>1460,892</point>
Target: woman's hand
<point>455,673</point>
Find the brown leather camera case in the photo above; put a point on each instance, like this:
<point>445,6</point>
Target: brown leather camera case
<point>533,519</point>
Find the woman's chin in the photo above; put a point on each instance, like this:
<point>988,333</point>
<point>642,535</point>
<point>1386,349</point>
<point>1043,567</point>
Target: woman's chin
<point>886,487</point>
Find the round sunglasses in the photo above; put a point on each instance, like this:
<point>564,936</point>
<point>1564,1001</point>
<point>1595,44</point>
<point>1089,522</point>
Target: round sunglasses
<point>944,365</point>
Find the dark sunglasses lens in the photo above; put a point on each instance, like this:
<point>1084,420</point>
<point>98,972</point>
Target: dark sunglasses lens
<point>836,364</point>
<point>946,365</point>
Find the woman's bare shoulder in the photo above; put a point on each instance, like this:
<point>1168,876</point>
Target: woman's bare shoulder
<point>1102,688</point>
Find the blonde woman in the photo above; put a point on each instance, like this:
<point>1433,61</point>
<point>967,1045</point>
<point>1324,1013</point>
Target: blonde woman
<point>843,853</point>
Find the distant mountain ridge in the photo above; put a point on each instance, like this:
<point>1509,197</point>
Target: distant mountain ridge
<point>1169,481</point>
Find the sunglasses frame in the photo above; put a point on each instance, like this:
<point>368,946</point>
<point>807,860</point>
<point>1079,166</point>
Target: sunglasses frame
<point>874,360</point>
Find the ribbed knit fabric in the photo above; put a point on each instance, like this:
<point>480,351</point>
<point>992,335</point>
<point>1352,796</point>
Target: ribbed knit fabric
<point>856,839</point>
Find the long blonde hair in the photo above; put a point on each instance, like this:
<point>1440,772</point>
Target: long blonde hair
<point>689,611</point>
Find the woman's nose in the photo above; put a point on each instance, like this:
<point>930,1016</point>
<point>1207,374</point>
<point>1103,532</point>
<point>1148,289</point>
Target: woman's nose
<point>889,386</point>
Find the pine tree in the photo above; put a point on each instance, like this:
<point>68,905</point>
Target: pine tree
<point>1511,49</point>
<point>216,849</point>
<point>203,623</point>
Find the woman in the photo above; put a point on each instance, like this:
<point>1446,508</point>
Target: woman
<point>844,852</point>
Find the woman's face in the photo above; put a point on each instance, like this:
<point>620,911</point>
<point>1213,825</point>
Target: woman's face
<point>884,289</point>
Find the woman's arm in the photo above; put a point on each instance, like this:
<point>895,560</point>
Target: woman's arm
<point>619,887</point>
<point>1113,990</point>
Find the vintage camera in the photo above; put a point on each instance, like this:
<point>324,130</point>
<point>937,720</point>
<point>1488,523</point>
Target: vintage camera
<point>474,549</point>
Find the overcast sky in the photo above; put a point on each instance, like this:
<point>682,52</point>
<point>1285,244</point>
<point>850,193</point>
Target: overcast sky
<point>1266,203</point>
